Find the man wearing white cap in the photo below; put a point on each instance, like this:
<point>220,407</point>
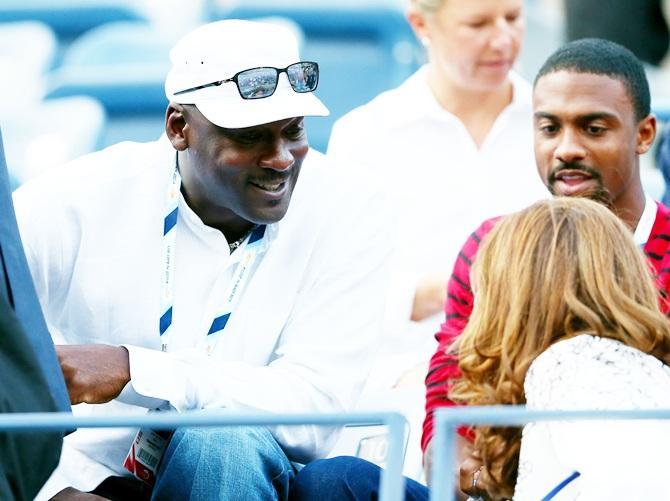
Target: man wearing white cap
<point>175,275</point>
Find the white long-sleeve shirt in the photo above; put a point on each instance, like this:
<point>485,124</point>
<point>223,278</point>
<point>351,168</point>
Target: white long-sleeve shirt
<point>441,184</point>
<point>300,339</point>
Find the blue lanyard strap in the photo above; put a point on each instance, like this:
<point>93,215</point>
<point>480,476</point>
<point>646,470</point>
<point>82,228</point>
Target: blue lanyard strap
<point>561,486</point>
<point>252,249</point>
<point>168,258</point>
<point>254,245</point>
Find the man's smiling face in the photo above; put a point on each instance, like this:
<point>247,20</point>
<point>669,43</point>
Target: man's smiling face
<point>242,174</point>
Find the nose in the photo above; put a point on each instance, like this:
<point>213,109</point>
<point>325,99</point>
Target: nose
<point>503,35</point>
<point>278,156</point>
<point>569,147</point>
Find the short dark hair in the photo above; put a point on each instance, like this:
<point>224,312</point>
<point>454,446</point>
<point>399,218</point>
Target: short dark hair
<point>603,57</point>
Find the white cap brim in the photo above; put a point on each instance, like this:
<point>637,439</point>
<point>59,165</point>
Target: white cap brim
<point>240,113</point>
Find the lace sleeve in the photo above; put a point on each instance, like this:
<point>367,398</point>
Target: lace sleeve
<point>616,460</point>
<point>588,372</point>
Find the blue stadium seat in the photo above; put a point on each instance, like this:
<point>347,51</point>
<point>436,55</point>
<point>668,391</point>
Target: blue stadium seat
<point>23,69</point>
<point>121,64</point>
<point>40,134</point>
<point>50,133</point>
<point>69,18</point>
<point>362,48</point>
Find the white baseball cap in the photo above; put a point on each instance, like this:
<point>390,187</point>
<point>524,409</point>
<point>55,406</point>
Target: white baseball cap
<point>219,50</point>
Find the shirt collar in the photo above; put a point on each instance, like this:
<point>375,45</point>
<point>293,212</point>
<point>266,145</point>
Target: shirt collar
<point>646,223</point>
<point>420,102</point>
<point>212,236</point>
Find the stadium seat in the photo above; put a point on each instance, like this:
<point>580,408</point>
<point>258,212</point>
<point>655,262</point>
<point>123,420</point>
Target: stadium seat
<point>40,134</point>
<point>49,133</point>
<point>23,69</point>
<point>69,18</point>
<point>121,64</point>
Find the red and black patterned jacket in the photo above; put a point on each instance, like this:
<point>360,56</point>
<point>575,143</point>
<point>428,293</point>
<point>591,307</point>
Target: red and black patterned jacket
<point>444,367</point>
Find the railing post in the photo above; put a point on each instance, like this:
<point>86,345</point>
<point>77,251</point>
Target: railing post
<point>443,476</point>
<point>392,482</point>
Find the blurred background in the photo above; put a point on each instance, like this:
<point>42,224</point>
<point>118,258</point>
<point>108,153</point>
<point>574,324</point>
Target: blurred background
<point>78,75</point>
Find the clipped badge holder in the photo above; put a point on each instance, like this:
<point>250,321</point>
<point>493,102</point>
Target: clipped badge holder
<point>146,452</point>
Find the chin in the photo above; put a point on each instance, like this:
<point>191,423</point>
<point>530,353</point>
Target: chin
<point>489,83</point>
<point>269,216</point>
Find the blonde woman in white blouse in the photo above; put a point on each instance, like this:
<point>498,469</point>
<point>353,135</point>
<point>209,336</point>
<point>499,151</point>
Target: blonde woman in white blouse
<point>566,316</point>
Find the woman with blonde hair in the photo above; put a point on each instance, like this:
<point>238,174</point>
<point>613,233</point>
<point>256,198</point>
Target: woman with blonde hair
<point>566,316</point>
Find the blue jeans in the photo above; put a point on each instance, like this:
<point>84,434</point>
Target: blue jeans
<point>228,463</point>
<point>346,478</point>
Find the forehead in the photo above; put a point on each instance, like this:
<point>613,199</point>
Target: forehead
<point>203,124</point>
<point>278,125</point>
<point>570,94</point>
<point>468,8</point>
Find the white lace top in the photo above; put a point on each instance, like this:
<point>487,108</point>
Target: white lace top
<point>617,460</point>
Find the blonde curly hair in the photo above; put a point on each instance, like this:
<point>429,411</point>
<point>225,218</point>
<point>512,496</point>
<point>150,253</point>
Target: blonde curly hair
<point>557,269</point>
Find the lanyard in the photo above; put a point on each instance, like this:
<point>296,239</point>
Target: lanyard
<point>253,246</point>
<point>560,486</point>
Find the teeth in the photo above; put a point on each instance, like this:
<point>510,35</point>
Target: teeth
<point>573,177</point>
<point>269,187</point>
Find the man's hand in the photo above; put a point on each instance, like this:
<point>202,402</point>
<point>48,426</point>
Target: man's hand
<point>429,297</point>
<point>94,373</point>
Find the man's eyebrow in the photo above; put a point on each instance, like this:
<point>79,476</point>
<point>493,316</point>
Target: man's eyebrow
<point>544,114</point>
<point>599,115</point>
<point>587,117</point>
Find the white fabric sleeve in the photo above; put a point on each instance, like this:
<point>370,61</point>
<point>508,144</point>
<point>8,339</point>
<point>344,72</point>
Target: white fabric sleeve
<point>346,152</point>
<point>44,242</point>
<point>615,459</point>
<point>322,356</point>
<point>343,142</point>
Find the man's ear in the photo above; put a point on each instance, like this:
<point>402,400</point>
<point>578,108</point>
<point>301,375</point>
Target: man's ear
<point>176,127</point>
<point>646,133</point>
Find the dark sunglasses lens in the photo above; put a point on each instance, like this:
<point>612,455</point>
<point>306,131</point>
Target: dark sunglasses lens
<point>257,83</point>
<point>304,77</point>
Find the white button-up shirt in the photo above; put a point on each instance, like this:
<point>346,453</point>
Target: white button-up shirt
<point>441,183</point>
<point>300,338</point>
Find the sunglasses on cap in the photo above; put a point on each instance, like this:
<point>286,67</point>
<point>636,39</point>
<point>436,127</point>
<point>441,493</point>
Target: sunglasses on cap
<point>257,83</point>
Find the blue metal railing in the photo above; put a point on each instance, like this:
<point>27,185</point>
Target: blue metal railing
<point>391,483</point>
<point>446,422</point>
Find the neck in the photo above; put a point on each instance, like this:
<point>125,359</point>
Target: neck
<point>223,219</point>
<point>230,224</point>
<point>630,206</point>
<point>476,109</point>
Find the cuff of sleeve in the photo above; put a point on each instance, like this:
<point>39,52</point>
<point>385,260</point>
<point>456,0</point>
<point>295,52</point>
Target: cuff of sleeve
<point>129,396</point>
<point>146,388</point>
